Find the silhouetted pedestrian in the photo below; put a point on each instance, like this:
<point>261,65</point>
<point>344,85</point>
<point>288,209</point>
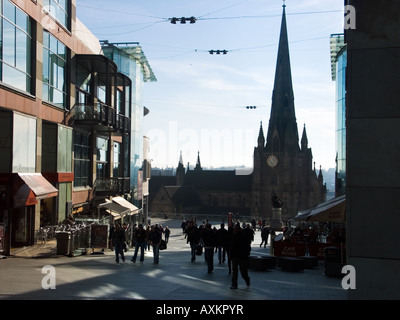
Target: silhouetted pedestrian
<point>209,241</point>
<point>264,236</point>
<point>155,236</point>
<point>193,238</point>
<point>222,243</point>
<point>119,241</point>
<point>167,232</point>
<point>141,239</point>
<point>240,251</point>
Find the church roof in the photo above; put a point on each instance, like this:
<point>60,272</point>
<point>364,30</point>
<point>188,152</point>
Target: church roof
<point>218,180</point>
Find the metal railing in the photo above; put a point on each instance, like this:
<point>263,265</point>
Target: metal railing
<point>112,185</point>
<point>100,113</point>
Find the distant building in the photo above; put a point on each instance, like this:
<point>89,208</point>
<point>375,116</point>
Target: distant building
<point>281,166</point>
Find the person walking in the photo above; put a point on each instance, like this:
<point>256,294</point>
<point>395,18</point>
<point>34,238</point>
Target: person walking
<point>228,251</point>
<point>147,246</point>
<point>210,242</point>
<point>264,236</point>
<point>155,236</point>
<point>167,232</point>
<point>118,242</point>
<point>193,238</point>
<point>141,241</point>
<point>240,251</point>
<point>222,242</point>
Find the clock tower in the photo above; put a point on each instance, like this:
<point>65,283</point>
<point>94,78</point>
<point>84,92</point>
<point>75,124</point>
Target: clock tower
<point>281,166</point>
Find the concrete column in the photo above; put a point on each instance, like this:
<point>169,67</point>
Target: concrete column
<point>373,148</point>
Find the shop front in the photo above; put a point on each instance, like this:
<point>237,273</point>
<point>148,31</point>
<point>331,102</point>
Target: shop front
<point>23,194</point>
<point>317,228</point>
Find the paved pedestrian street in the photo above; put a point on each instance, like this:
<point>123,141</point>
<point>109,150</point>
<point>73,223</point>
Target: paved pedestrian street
<point>98,277</point>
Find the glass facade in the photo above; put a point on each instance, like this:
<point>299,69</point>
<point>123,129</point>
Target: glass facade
<point>129,66</point>
<point>15,47</point>
<point>54,70</point>
<point>341,122</point>
<point>132,63</point>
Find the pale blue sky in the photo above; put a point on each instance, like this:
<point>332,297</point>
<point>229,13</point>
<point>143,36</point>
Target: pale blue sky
<point>198,95</point>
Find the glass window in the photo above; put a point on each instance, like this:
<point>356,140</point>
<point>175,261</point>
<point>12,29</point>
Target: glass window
<point>54,70</point>
<point>116,155</point>
<point>8,42</point>
<point>49,147</point>
<point>83,79</point>
<point>59,10</point>
<point>101,90</point>
<point>15,47</point>
<point>9,10</point>
<point>6,140</point>
<point>64,149</point>
<point>24,144</point>
<point>102,156</point>
<point>81,158</point>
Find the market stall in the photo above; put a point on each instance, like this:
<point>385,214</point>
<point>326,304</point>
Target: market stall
<point>317,229</point>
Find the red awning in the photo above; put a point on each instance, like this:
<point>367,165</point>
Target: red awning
<point>31,187</point>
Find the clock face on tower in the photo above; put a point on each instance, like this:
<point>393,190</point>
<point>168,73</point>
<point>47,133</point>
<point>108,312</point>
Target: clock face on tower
<point>272,161</point>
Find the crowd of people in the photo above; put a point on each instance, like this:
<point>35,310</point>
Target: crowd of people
<point>313,233</point>
<point>141,239</point>
<point>231,244</point>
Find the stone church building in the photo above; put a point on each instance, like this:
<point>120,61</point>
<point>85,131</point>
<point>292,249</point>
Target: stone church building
<point>282,165</point>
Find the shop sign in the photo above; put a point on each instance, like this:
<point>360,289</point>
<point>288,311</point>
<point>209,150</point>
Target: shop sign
<point>99,236</point>
<point>289,249</point>
<point>317,249</point>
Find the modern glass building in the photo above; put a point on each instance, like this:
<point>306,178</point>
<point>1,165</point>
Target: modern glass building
<point>130,59</point>
<point>339,63</point>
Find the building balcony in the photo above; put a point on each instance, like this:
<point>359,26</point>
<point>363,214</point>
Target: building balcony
<point>101,116</point>
<point>111,186</point>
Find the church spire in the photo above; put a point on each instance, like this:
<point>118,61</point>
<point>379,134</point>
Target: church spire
<point>180,172</point>
<point>282,123</point>
<point>261,139</point>
<point>304,139</point>
<point>198,165</point>
<point>180,159</point>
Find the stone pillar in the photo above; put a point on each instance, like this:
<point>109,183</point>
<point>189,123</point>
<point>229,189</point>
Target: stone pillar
<point>276,221</point>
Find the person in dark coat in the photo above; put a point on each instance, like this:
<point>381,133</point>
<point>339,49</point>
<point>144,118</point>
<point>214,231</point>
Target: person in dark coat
<point>193,238</point>
<point>210,242</point>
<point>141,241</point>
<point>155,237</point>
<point>119,242</point>
<point>240,250</point>
<point>264,236</point>
<point>228,251</point>
<point>167,232</point>
<point>222,242</point>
